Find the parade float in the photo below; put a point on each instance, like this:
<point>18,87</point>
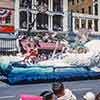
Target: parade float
<point>68,66</point>
<point>65,66</point>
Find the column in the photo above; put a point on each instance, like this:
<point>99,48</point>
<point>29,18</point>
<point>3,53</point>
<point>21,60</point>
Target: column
<point>93,7</point>
<point>16,15</point>
<point>34,13</point>
<point>50,23</point>
<point>73,24</point>
<point>80,23</point>
<point>86,23</point>
<point>65,17</point>
<point>34,28</point>
<point>93,26</point>
<point>51,5</point>
<point>65,5</point>
<point>65,22</point>
<point>99,15</point>
<point>33,3</point>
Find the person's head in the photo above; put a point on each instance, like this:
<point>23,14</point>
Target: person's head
<point>58,89</point>
<point>47,95</point>
<point>97,96</point>
<point>89,96</point>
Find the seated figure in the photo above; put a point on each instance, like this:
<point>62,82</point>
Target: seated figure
<point>28,48</point>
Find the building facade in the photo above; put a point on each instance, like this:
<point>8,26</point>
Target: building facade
<point>52,20</point>
<point>85,15</point>
<point>6,16</point>
<point>81,6</point>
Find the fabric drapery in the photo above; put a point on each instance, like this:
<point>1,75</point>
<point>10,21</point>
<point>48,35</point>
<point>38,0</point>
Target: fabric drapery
<point>4,13</point>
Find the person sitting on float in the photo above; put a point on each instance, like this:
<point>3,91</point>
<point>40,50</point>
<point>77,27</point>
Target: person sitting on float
<point>29,48</point>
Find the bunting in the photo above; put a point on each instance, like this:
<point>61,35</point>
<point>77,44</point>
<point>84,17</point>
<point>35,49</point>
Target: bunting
<point>4,13</point>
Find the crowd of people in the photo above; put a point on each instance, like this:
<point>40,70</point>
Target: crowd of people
<point>58,92</point>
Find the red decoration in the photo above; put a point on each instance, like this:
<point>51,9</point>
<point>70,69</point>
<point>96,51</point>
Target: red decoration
<point>6,28</point>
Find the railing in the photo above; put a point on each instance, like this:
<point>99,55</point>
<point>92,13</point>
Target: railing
<point>7,44</point>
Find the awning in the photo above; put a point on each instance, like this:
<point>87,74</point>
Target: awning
<point>50,46</point>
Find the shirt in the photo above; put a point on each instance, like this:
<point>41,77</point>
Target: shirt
<point>68,96</point>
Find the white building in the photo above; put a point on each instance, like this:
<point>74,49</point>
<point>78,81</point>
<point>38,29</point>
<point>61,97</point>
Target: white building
<point>55,19</point>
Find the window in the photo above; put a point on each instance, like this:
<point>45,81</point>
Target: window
<point>30,17</point>
<point>77,1</point>
<point>42,21</point>
<point>96,9</point>
<point>96,24</point>
<point>76,23</point>
<point>82,10</point>
<point>58,5</point>
<point>89,10</point>
<point>89,24</point>
<point>73,2</point>
<point>42,1</point>
<point>23,20</point>
<point>8,19</point>
<point>83,24</point>
<point>96,0</point>
<point>82,1</point>
<point>58,23</point>
<point>25,4</point>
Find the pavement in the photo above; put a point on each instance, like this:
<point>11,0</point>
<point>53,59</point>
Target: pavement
<point>79,88</point>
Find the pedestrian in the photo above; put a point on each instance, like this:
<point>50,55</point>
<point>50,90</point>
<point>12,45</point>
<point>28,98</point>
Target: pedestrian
<point>89,96</point>
<point>97,96</point>
<point>61,93</point>
<point>47,95</point>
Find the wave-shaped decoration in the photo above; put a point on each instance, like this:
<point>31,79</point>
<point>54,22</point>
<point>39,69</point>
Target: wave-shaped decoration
<point>19,74</point>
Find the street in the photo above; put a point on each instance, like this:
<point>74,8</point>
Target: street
<point>12,92</point>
